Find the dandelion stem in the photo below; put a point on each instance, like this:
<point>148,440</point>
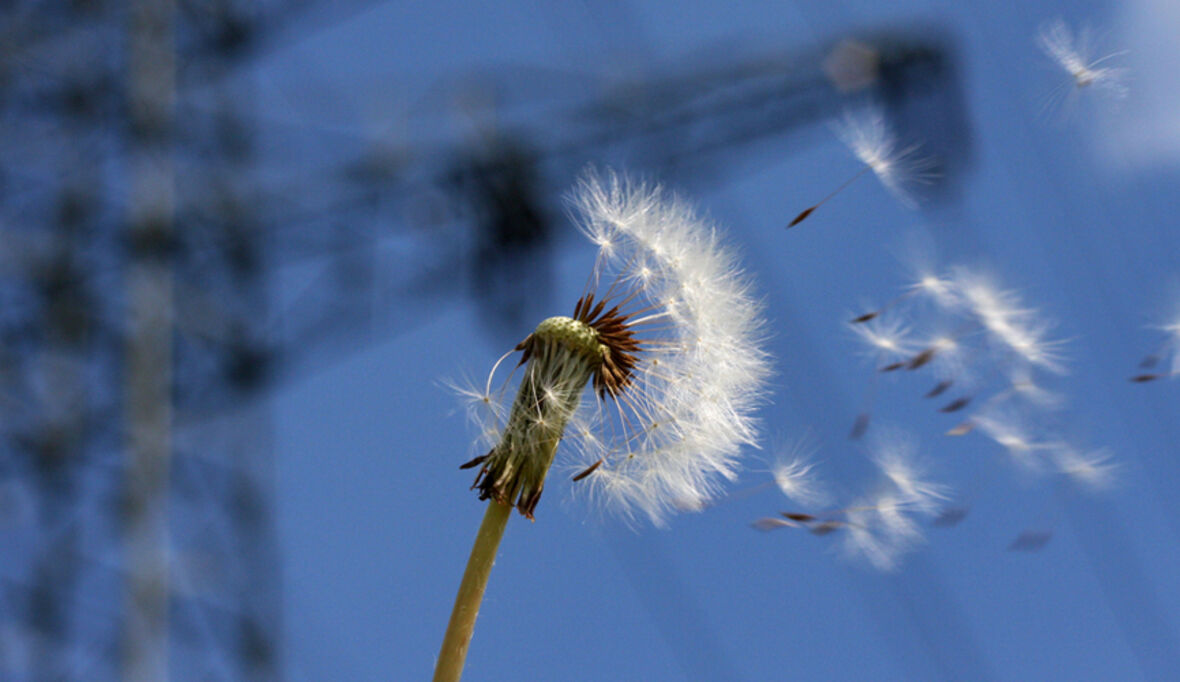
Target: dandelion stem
<point>453,654</point>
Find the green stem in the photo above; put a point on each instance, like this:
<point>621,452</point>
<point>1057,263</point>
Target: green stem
<point>475,580</point>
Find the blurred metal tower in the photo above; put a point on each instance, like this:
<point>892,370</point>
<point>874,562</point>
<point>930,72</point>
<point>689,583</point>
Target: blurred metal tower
<point>130,281</point>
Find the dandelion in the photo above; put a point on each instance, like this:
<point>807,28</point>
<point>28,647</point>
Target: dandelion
<point>868,136</point>
<point>1075,54</point>
<point>666,344</point>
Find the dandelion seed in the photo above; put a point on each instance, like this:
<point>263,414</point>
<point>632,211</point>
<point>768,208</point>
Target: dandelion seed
<point>669,341</point>
<point>794,474</point>
<point>886,338</point>
<point>1167,354</point>
<point>894,455</point>
<point>826,527</point>
<point>868,136</point>
<point>950,516</point>
<point>921,359</point>
<point>1006,429</point>
<point>939,388</point>
<point>1094,469</point>
<point>1010,326</point>
<point>768,524</point>
<point>1172,345</point>
<point>1075,54</point>
<point>1025,387</point>
<point>1030,541</point>
<point>940,290</point>
<point>860,426</point>
<point>881,530</point>
<point>803,215</point>
<point>955,405</point>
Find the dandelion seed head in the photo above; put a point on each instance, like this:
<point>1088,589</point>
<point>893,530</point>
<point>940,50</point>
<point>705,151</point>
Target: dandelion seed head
<point>669,338</point>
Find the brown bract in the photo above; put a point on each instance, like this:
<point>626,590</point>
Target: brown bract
<point>618,339</point>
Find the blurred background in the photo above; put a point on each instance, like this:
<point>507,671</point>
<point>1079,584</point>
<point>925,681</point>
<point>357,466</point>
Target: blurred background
<point>244,245</point>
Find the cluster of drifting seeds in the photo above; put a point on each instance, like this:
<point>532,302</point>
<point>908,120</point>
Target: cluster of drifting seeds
<point>880,525</point>
<point>983,356</point>
<point>977,342</point>
<point>982,353</point>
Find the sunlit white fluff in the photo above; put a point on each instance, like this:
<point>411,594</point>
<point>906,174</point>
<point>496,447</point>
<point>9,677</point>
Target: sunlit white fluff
<point>682,424</point>
<point>1023,385</point>
<point>673,434</point>
<point>1017,434</point>
<point>1171,347</point>
<point>794,471</point>
<point>884,525</point>
<point>1009,325</point>
<point>1075,53</point>
<point>867,134</point>
<point>895,455</point>
<point>885,338</point>
<point>882,528</point>
<point>938,289</point>
<point>1094,469</point>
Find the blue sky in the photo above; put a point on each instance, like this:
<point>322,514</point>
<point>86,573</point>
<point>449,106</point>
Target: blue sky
<point>1072,208</point>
